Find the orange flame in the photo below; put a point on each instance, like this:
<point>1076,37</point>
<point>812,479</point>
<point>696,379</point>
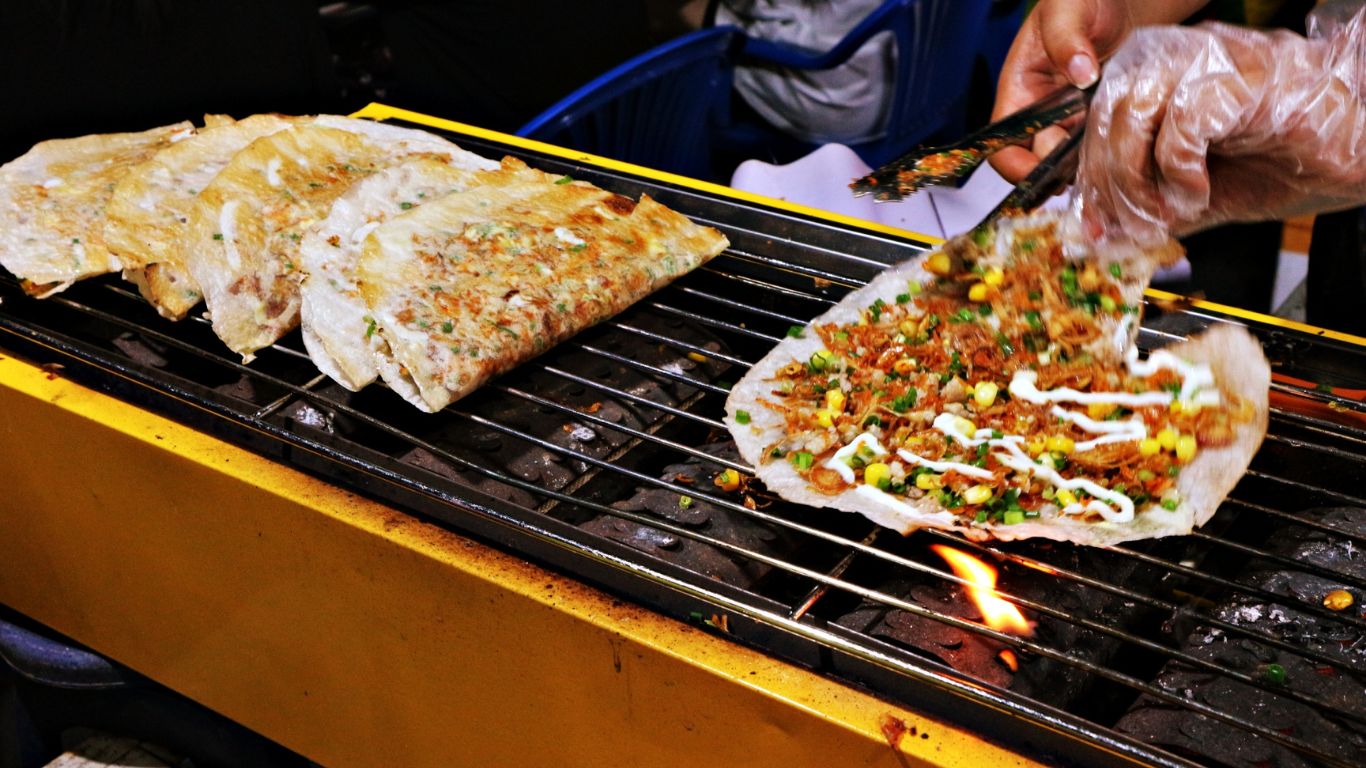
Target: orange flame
<point>997,613</point>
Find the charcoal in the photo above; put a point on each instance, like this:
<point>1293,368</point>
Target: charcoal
<point>1059,683</point>
<point>695,514</point>
<point>1338,690</point>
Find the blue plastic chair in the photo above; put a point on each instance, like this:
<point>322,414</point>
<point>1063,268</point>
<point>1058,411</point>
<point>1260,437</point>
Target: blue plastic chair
<point>937,45</point>
<point>658,109</point>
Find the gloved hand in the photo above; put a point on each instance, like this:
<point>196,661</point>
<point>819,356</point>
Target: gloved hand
<point>1195,126</point>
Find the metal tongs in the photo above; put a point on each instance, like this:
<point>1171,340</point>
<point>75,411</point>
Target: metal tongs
<point>936,165</point>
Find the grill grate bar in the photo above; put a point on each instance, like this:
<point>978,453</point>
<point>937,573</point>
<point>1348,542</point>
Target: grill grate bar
<point>1153,602</point>
<point>836,572</point>
<point>639,366</point>
<point>280,402</point>
<point>1305,445</point>
<point>1337,496</point>
<point>622,428</point>
<point>638,399</point>
<point>739,306</point>
<point>1296,519</point>
<point>1195,573</point>
<point>701,320</point>
<point>1279,559</point>
<point>781,265</point>
<point>768,287</point>
<point>677,344</point>
<point>1319,426</point>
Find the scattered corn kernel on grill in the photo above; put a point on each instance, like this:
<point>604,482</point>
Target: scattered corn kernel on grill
<point>1243,644</point>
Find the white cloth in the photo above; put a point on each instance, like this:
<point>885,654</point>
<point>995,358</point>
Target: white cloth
<point>847,104</point>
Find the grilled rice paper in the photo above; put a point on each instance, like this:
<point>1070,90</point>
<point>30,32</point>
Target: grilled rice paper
<point>53,200</point>
<point>468,286</point>
<point>149,213</point>
<point>336,332</point>
<point>932,377</point>
<point>245,228</point>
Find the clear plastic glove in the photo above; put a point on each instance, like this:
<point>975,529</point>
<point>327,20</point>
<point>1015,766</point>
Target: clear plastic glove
<point>1196,126</point>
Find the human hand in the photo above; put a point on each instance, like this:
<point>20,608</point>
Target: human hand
<point>1061,42</point>
<point>1195,126</point>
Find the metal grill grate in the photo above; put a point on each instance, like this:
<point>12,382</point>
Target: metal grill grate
<point>598,457</point>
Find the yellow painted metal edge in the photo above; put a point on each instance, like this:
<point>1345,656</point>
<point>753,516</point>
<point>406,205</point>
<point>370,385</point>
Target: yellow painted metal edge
<point>377,111</point>
<point>357,635</point>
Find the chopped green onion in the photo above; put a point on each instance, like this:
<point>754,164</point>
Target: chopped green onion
<point>564,180</point>
<point>820,359</point>
<point>803,459</point>
<point>902,298</point>
<point>914,287</point>
<point>447,326</point>
<point>1274,674</point>
<point>1034,320</point>
<point>405,205</point>
<point>1013,516</point>
<point>1169,504</point>
<point>872,421</point>
<point>904,402</point>
<point>1117,270</point>
<point>742,417</point>
<point>684,502</point>
<point>795,332</point>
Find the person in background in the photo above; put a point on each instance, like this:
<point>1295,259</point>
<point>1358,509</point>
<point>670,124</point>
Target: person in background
<point>847,104</point>
<point>1195,126</point>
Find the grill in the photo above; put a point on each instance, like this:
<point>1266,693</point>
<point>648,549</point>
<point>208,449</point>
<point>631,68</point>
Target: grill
<point>597,459</point>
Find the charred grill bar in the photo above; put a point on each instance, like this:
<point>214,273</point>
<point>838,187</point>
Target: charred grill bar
<point>599,458</point>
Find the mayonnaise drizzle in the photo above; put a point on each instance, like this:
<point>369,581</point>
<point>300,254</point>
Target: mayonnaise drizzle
<point>897,505</point>
<point>1122,431</point>
<point>838,463</point>
<point>1022,386</point>
<point>227,227</point>
<point>1197,381</point>
<point>1019,461</point>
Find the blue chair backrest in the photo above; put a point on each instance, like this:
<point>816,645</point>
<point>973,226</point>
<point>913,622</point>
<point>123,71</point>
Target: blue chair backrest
<point>937,43</point>
<point>656,109</point>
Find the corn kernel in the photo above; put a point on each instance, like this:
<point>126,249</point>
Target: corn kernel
<point>978,292</point>
<point>1099,411</point>
<point>984,394</point>
<point>697,357</point>
<point>1060,444</point>
<point>1148,446</point>
<point>938,264</point>
<point>875,473</point>
<point>825,418</point>
<point>1175,407</point>
<point>1035,447</point>
<point>1065,497</point>
<point>904,367</point>
<point>994,277</point>
<point>929,481</point>
<point>834,400</point>
<point>1185,448</point>
<point>1166,438</point>
<point>1338,600</point>
<point>977,494</point>
<point>728,480</point>
<point>964,427</point>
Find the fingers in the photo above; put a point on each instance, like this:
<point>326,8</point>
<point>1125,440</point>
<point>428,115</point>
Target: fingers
<point>1065,29</point>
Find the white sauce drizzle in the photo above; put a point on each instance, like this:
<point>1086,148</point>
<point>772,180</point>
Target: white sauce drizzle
<point>895,504</point>
<point>227,227</point>
<point>1022,386</point>
<point>1017,460</point>
<point>273,171</point>
<point>1122,431</point>
<point>1197,381</point>
<point>838,463</point>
